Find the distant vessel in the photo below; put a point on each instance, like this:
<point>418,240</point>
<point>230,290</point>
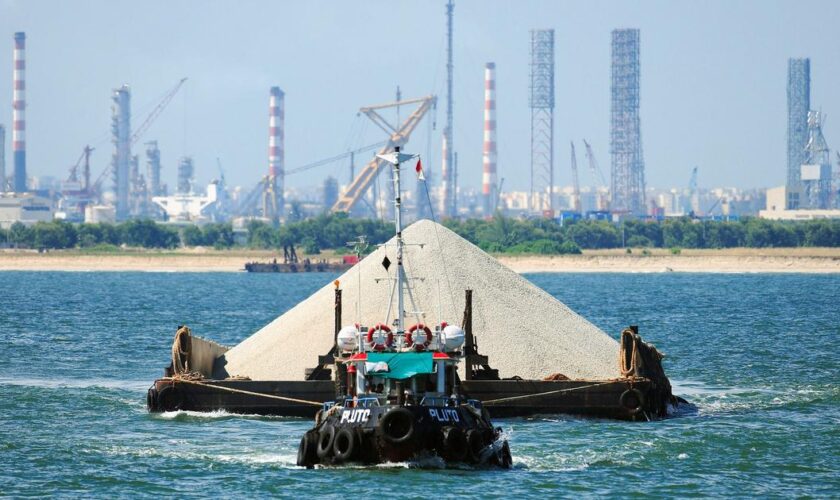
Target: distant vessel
<point>398,390</point>
<point>291,264</point>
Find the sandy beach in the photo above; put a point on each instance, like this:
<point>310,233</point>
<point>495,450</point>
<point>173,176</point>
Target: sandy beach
<point>737,260</point>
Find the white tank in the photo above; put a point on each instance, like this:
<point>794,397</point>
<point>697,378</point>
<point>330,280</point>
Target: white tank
<point>453,337</point>
<point>348,338</point>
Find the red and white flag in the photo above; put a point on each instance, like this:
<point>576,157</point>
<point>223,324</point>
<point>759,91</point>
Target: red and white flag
<point>419,170</point>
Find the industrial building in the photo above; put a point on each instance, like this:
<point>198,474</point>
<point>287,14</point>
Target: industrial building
<point>25,208</point>
<point>137,189</point>
<point>777,199</point>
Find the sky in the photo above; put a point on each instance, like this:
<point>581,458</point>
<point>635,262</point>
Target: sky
<point>713,81</point>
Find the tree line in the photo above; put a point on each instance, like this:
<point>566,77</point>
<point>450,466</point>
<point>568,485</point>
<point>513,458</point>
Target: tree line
<point>502,234</point>
<point>499,234</point>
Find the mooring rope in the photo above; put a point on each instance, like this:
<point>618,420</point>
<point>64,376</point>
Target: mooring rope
<point>539,394</point>
<point>250,393</point>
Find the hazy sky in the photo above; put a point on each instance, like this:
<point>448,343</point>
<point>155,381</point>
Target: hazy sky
<point>712,85</point>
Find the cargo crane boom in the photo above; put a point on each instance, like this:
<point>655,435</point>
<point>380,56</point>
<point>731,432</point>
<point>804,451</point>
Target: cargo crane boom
<point>600,203</point>
<point>575,182</point>
<point>398,136</point>
<point>156,111</point>
<point>593,164</point>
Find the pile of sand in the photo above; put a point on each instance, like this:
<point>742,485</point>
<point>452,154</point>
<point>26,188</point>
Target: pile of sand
<point>522,329</point>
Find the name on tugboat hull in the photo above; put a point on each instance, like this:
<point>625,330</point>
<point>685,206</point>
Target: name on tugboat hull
<point>444,414</point>
<point>355,416</point>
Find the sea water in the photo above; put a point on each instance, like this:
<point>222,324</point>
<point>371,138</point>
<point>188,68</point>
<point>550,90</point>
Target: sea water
<point>756,353</point>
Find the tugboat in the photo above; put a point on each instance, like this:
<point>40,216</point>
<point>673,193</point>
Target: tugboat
<point>398,395</point>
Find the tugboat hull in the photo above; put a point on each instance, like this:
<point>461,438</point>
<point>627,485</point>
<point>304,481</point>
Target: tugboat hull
<point>456,434</point>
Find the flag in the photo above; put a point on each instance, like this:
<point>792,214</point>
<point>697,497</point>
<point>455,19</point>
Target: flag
<point>419,169</point>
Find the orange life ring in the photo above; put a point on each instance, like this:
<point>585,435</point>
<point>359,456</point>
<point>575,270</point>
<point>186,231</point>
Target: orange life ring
<point>410,341</point>
<point>388,343</point>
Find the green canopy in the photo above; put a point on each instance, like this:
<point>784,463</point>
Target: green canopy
<point>401,365</point>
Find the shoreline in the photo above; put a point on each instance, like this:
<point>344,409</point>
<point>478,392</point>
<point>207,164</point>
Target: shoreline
<point>738,260</point>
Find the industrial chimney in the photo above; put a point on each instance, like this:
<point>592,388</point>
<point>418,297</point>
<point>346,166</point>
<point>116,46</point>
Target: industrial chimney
<point>488,186</point>
<point>121,137</point>
<point>19,113</point>
<point>276,150</point>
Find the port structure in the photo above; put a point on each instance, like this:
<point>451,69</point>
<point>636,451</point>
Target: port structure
<point>541,196</point>
<point>627,188</point>
<point>398,136</point>
<point>815,173</point>
<point>798,105</point>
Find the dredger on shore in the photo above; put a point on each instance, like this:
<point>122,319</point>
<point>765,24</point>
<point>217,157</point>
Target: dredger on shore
<point>537,357</point>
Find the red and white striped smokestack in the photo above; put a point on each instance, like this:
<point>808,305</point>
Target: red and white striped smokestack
<point>19,113</point>
<point>489,186</point>
<point>276,149</point>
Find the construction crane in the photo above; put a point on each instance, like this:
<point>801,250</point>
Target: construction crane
<point>74,170</point>
<point>499,195</point>
<point>156,111</point>
<point>596,171</point>
<point>398,135</point>
<point>335,158</point>
<point>144,126</point>
<point>249,202</point>
<point>575,181</point>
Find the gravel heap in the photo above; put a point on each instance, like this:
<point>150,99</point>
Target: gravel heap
<point>524,330</point>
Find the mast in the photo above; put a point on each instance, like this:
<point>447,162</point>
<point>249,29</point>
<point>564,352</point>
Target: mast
<point>398,224</point>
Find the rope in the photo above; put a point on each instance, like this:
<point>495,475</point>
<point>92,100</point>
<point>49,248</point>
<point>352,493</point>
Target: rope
<point>513,398</point>
<point>627,371</point>
<point>249,393</point>
<point>181,358</point>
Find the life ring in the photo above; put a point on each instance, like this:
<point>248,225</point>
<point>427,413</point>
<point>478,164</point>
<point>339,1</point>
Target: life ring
<point>409,336</point>
<point>397,426</point>
<point>454,444</point>
<point>475,445</point>
<point>325,440</point>
<point>344,445</point>
<point>632,400</point>
<point>306,456</point>
<point>388,343</point>
<point>170,399</point>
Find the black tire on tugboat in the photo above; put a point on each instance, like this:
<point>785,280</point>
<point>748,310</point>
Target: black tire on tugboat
<point>306,456</point>
<point>345,445</point>
<point>325,441</point>
<point>475,445</point>
<point>505,458</point>
<point>632,400</point>
<point>455,447</point>
<point>397,426</point>
<point>170,399</point>
<point>151,399</point>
